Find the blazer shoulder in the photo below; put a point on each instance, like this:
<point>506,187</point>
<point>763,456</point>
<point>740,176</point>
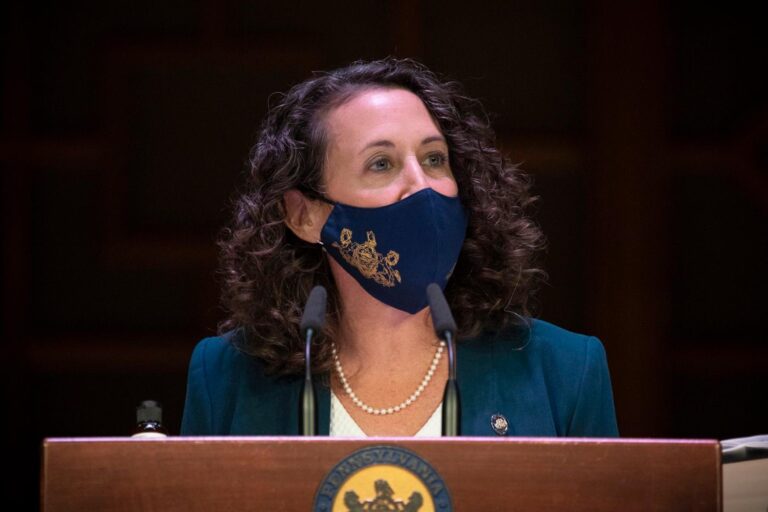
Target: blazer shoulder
<point>564,348</point>
<point>576,366</point>
<point>553,337</point>
<point>217,351</point>
<point>223,385</point>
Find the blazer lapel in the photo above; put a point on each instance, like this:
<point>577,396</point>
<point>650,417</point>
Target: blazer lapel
<point>478,387</point>
<point>501,389</point>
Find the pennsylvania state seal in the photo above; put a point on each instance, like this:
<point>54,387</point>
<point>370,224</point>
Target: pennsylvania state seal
<point>382,479</point>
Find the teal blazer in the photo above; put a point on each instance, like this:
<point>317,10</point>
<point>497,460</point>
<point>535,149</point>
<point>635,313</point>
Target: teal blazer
<point>557,385</point>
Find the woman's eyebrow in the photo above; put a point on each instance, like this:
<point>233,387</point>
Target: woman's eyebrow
<point>433,138</point>
<point>378,143</point>
<point>390,144</point>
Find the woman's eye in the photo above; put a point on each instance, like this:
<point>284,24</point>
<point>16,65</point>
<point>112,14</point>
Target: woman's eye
<point>380,164</point>
<point>436,160</point>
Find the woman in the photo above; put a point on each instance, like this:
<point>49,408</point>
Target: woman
<point>375,180</point>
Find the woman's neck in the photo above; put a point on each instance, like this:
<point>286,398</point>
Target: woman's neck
<point>386,355</point>
<point>374,336</point>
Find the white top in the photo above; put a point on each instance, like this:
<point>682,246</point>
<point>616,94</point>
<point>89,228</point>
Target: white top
<point>343,425</point>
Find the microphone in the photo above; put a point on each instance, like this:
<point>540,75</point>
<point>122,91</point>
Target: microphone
<point>312,321</point>
<point>445,328</point>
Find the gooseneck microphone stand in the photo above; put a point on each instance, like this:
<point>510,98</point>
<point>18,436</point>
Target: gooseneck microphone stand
<point>445,328</point>
<point>312,321</point>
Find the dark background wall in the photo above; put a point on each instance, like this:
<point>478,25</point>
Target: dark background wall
<point>125,127</point>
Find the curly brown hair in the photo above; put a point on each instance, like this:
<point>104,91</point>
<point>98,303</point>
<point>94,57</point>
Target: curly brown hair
<point>267,272</point>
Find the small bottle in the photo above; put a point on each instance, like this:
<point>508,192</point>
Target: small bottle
<point>149,421</point>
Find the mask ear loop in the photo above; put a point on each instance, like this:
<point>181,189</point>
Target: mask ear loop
<point>318,196</point>
<point>313,194</point>
<point>324,199</point>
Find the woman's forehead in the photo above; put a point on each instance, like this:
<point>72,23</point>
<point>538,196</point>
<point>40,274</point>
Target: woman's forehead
<point>379,115</point>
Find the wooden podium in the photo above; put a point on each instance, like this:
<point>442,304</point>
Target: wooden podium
<point>219,474</point>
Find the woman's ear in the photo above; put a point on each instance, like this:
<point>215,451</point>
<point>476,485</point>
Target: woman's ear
<point>304,216</point>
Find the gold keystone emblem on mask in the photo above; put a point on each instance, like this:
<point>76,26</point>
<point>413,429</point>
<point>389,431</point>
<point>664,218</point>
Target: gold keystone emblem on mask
<point>365,258</point>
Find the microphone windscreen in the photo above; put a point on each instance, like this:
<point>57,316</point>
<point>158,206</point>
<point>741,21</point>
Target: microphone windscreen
<point>314,311</point>
<point>442,318</point>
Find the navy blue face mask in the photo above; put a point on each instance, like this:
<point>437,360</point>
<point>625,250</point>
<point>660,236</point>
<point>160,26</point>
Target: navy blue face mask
<point>396,251</point>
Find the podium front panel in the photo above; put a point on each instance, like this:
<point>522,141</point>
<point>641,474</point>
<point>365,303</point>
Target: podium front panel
<point>285,473</point>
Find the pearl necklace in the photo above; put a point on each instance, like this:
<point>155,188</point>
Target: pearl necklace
<point>388,410</point>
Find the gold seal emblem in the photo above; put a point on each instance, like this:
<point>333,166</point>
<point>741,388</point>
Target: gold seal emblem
<point>384,498</point>
<point>382,479</point>
<point>367,260</point>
